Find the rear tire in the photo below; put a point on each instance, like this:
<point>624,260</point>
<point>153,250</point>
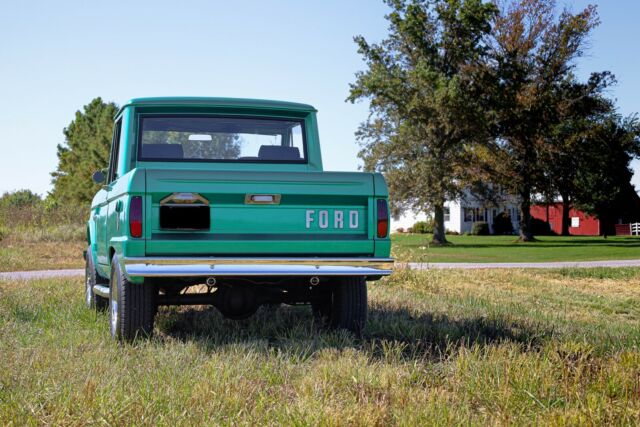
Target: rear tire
<point>92,278</point>
<point>345,306</point>
<point>132,306</point>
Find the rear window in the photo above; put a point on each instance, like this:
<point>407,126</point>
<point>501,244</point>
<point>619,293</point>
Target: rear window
<point>224,139</point>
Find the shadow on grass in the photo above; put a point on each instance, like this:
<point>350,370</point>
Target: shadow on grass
<point>292,331</point>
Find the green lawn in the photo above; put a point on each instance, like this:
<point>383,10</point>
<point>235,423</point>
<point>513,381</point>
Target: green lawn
<point>483,347</point>
<point>415,247</point>
<point>20,255</point>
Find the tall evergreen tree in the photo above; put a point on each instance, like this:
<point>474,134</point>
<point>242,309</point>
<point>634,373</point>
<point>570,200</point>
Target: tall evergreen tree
<point>85,150</point>
<point>422,109</point>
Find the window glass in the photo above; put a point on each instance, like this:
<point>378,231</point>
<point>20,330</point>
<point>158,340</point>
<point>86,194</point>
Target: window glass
<point>468,215</point>
<point>186,138</point>
<point>115,150</point>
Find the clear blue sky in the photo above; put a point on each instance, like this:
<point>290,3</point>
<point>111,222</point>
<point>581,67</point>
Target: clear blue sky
<point>56,56</point>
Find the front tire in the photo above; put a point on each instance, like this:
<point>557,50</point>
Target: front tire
<point>92,278</point>
<point>132,306</point>
<point>345,306</point>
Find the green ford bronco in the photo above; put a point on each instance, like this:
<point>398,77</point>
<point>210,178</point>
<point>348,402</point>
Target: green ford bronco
<point>230,195</point>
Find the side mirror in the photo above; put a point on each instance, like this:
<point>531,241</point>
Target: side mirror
<point>98,177</point>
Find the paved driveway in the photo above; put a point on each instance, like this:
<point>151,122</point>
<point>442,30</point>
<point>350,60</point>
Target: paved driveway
<point>26,275</point>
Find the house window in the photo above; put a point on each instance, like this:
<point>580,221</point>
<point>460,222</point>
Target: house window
<point>575,221</point>
<point>468,215</point>
<point>447,214</point>
<point>479,214</point>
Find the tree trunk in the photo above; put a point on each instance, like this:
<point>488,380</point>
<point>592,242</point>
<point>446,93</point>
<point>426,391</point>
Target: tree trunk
<point>566,207</point>
<point>603,225</point>
<point>526,234</point>
<point>439,236</point>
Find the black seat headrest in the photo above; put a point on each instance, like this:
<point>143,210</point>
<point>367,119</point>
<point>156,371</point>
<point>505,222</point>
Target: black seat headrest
<point>162,151</point>
<point>278,152</point>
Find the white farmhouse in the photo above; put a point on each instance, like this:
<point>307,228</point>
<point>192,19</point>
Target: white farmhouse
<point>459,215</point>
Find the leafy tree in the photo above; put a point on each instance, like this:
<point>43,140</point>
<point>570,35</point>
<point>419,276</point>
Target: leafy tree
<point>19,199</point>
<point>221,146</point>
<point>423,113</point>
<point>532,50</point>
<point>581,107</point>
<point>603,176</point>
<point>85,150</point>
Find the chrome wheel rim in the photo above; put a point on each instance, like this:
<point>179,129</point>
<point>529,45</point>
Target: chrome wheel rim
<point>113,306</point>
<point>88,291</point>
<point>114,316</point>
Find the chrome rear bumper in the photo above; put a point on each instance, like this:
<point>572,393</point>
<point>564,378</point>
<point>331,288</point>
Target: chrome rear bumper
<point>227,266</point>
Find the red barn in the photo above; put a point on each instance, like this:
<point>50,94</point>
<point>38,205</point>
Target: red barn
<point>580,224</point>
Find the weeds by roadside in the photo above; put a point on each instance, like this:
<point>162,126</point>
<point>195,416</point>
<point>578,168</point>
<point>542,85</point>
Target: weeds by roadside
<point>36,234</point>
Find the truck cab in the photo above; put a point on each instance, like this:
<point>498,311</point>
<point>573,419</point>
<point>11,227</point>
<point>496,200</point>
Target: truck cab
<point>227,198</point>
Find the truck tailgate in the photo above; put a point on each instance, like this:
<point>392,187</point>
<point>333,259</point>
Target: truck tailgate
<point>310,213</point>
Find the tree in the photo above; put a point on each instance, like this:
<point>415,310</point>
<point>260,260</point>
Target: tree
<point>580,107</point>
<point>532,51</point>
<point>423,114</point>
<point>221,146</point>
<point>602,182</point>
<point>85,150</point>
<point>19,199</point>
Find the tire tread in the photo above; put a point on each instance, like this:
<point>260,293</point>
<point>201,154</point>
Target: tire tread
<point>349,306</point>
<point>136,307</point>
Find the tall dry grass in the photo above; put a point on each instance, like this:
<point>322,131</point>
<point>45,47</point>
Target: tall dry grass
<point>43,223</point>
<point>39,236</point>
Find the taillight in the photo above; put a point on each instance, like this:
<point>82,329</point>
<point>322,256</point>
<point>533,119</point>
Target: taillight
<point>383,218</point>
<point>135,216</point>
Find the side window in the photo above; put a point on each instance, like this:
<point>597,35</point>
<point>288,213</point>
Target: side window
<point>115,149</point>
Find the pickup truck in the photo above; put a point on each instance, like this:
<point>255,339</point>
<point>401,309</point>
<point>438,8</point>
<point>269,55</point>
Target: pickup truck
<point>224,202</point>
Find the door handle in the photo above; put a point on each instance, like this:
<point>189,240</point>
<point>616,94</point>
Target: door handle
<point>119,206</point>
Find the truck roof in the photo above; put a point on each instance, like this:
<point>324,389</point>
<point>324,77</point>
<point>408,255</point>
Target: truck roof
<point>169,101</point>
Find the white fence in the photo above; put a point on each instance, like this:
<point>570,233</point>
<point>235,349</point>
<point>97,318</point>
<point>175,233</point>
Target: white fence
<point>635,228</point>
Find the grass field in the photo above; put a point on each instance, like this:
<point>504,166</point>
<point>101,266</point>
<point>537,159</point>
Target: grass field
<point>415,247</point>
<point>34,237</point>
<point>441,347</point>
<point>19,255</point>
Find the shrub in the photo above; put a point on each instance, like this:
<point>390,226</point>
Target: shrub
<point>502,224</point>
<point>451,232</point>
<point>480,228</point>
<point>540,227</point>
<point>19,199</point>
<point>399,230</point>
<point>423,227</point>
